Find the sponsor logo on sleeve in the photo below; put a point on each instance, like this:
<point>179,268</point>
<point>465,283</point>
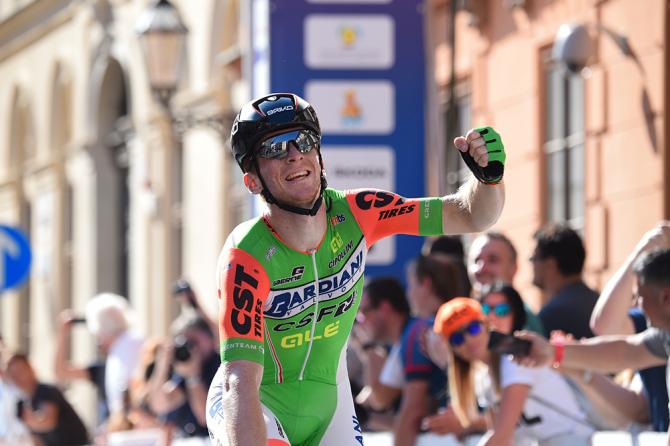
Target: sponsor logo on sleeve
<point>245,316</point>
<point>272,250</point>
<point>426,210</point>
<point>368,199</point>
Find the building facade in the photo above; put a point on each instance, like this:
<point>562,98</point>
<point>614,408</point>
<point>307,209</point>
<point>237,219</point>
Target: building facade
<point>112,195</point>
<point>586,145</point>
<point>115,197</point>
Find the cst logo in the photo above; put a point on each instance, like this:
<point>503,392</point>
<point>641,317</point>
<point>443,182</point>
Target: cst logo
<point>378,199</point>
<point>367,199</point>
<point>388,213</point>
<point>246,314</point>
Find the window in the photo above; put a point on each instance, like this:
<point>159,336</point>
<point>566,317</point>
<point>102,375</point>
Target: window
<point>564,146</point>
<point>456,170</point>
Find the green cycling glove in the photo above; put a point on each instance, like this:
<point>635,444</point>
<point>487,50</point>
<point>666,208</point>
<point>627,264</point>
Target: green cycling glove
<point>493,172</point>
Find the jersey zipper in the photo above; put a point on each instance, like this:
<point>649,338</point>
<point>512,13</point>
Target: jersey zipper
<point>316,312</point>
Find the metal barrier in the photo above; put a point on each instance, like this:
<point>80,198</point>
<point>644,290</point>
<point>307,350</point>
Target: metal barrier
<point>151,437</point>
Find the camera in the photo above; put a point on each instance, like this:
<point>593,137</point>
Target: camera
<point>182,349</point>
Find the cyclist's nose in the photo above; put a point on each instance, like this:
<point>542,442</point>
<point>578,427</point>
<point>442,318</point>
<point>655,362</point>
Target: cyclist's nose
<point>293,153</point>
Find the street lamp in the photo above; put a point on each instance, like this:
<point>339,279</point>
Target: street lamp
<point>162,35</point>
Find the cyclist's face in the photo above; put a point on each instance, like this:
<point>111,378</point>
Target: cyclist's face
<point>294,178</point>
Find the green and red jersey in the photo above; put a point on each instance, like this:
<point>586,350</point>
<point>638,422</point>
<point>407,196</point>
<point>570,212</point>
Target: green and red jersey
<point>293,311</point>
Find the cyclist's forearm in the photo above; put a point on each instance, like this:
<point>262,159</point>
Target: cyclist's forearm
<point>244,419</point>
<point>242,410</point>
<point>474,208</point>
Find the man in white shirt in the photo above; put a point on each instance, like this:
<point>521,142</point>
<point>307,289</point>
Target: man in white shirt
<point>109,318</point>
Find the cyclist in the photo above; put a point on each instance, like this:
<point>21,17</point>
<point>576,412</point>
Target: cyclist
<point>290,281</point>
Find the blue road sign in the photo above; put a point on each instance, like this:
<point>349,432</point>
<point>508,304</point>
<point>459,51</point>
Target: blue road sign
<point>15,257</point>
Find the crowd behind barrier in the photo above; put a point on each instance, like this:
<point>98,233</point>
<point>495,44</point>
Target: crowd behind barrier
<point>159,388</point>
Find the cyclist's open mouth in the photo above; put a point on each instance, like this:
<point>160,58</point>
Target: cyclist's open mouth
<point>298,175</point>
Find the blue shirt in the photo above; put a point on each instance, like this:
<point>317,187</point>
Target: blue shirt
<point>415,362</point>
<point>654,380</point>
<point>569,310</point>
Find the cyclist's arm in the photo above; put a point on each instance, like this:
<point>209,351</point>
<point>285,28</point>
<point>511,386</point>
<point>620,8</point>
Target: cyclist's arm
<point>380,213</point>
<point>243,287</point>
<point>473,208</point>
<point>241,403</point>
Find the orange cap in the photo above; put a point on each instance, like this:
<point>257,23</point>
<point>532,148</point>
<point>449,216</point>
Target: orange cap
<point>453,315</point>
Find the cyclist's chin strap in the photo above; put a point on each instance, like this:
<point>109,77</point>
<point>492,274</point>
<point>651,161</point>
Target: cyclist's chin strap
<point>290,208</point>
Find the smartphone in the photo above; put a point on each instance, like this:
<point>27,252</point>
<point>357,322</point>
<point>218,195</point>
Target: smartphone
<point>508,344</point>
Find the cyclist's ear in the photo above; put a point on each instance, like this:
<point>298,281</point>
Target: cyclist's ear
<point>252,183</point>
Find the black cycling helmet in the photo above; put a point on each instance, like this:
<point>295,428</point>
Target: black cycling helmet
<point>267,115</point>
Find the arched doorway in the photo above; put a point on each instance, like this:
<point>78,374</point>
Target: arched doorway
<point>112,174</point>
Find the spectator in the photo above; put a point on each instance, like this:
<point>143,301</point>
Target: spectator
<point>606,404</point>
<point>383,315</point>
<point>615,353</point>
<point>525,404</point>
<point>450,246</point>
<point>46,412</point>
<point>180,398</point>
<point>431,281</point>
<point>558,261</point>
<point>141,416</point>
<point>183,292</point>
<point>613,315</point>
<point>109,319</point>
<point>493,258</point>
<point>12,429</point>
<point>503,308</point>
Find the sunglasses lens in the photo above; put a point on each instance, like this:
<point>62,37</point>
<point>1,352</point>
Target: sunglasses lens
<point>457,339</point>
<point>277,146</point>
<point>486,309</point>
<point>474,328</point>
<point>502,310</point>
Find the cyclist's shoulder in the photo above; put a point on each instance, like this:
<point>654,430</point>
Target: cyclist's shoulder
<point>245,240</point>
<point>246,232</point>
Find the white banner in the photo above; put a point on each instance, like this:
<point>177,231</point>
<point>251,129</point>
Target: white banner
<point>349,41</point>
<point>353,106</point>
